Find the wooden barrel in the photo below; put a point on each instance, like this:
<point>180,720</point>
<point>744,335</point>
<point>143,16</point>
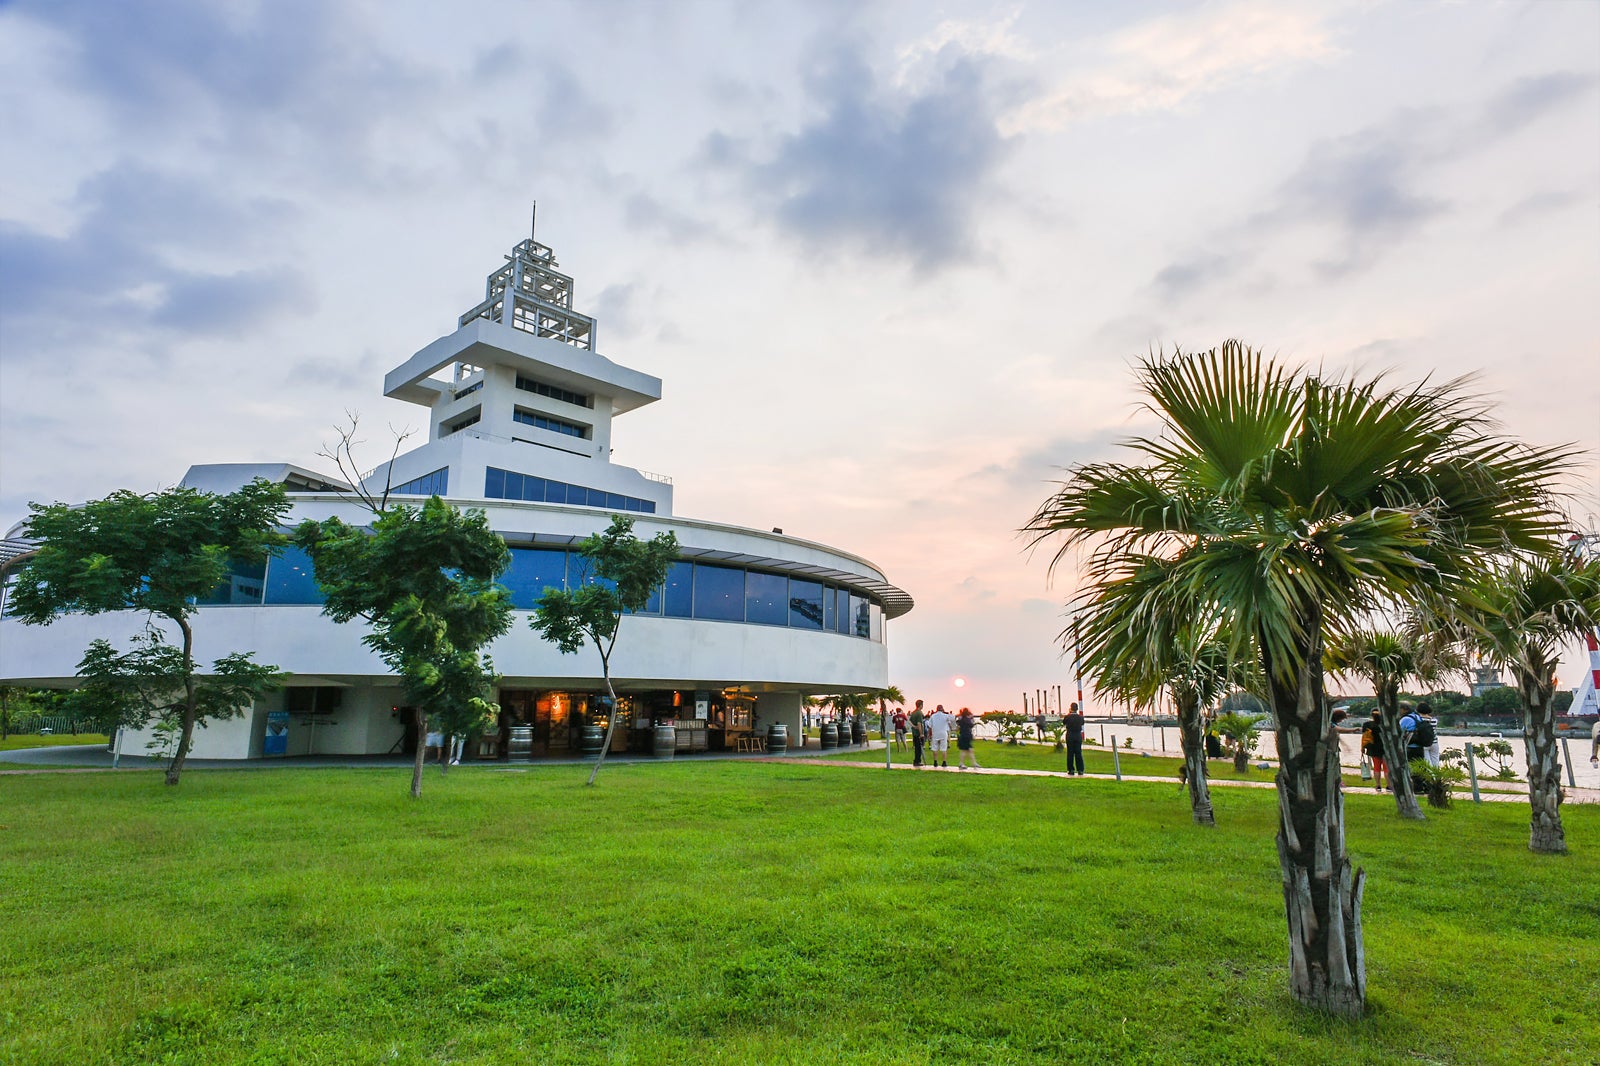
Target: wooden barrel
<point>858,732</point>
<point>590,741</point>
<point>519,742</point>
<point>830,736</point>
<point>777,739</point>
<point>666,741</point>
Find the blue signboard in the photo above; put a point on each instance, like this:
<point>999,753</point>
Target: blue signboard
<point>276,741</point>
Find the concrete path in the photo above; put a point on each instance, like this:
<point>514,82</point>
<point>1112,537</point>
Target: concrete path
<point>1463,794</point>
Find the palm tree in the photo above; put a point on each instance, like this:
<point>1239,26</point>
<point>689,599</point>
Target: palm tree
<point>1241,732</point>
<point>1190,663</point>
<point>1386,661</point>
<point>1293,505</point>
<point>1518,617</point>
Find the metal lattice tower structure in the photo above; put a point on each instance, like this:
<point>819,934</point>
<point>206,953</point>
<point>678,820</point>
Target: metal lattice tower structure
<point>538,296</point>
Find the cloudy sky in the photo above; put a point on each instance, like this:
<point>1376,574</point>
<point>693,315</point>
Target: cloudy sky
<point>893,262</point>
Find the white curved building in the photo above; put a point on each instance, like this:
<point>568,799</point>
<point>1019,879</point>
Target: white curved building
<point>521,410</point>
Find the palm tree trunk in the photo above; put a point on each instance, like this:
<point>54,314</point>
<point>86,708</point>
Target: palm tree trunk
<point>1321,893</point>
<point>1394,750</point>
<point>1194,763</point>
<point>1545,833</point>
<point>186,736</point>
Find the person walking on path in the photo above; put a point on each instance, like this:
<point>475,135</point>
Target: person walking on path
<point>1074,723</point>
<point>1594,747</point>
<point>939,724</point>
<point>1372,748</point>
<point>964,723</point>
<point>1038,725</point>
<point>919,725</point>
<point>900,728</point>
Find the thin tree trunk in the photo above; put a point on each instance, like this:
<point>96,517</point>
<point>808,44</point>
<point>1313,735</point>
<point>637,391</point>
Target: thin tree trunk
<point>611,725</point>
<point>1394,750</point>
<point>175,768</point>
<point>1193,741</point>
<point>1321,893</point>
<point>611,728</point>
<point>422,752</point>
<point>1545,833</point>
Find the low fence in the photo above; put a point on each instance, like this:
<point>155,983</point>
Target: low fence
<point>30,722</point>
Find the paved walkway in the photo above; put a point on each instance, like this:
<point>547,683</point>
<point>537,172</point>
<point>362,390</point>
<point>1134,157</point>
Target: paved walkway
<point>1464,793</point>
<point>90,758</point>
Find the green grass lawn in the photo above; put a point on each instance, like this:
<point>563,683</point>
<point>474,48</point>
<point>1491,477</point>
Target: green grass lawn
<point>17,741</point>
<point>748,912</point>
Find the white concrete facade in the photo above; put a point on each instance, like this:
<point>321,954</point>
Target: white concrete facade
<point>542,406</point>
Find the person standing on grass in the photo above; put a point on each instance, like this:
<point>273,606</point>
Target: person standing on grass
<point>900,728</point>
<point>919,725</point>
<point>939,724</point>
<point>964,723</point>
<point>1074,723</point>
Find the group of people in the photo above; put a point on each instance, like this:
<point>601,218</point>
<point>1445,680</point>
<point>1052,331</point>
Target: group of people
<point>1419,730</point>
<point>930,734</point>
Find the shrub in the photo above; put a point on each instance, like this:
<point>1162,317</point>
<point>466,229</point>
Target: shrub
<point>1436,782</point>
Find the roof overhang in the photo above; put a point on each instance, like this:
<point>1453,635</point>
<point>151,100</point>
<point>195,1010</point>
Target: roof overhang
<point>482,342</point>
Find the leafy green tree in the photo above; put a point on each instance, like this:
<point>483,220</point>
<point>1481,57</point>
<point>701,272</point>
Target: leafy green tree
<point>157,553</point>
<point>423,579</point>
<point>1386,660</point>
<point>1294,504</point>
<point>623,572</point>
<point>1503,699</point>
<point>147,683</point>
<point>1518,617</point>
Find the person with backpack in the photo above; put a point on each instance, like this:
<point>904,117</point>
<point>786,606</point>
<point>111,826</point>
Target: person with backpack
<point>1372,748</point>
<point>1422,735</point>
<point>900,728</point>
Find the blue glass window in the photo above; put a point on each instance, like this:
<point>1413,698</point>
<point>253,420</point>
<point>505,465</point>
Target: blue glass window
<point>841,611</point>
<point>532,570</point>
<point>805,604</point>
<point>554,425</point>
<point>291,578</point>
<point>243,585</point>
<point>679,599</point>
<point>718,592</point>
<point>860,617</point>
<point>434,484</point>
<point>509,485</point>
<point>766,598</point>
